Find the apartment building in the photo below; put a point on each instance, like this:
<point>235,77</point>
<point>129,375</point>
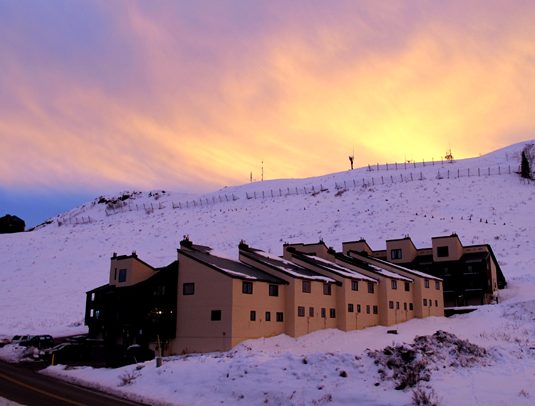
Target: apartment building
<point>471,273</point>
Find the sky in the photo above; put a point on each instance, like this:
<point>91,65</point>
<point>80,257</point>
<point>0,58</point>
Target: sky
<point>98,97</point>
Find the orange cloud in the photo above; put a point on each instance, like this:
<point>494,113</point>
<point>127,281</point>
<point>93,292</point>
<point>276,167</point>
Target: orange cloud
<point>207,108</point>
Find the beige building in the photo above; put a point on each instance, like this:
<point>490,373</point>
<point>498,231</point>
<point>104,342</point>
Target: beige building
<point>471,274</point>
<point>222,302</point>
<point>216,302</point>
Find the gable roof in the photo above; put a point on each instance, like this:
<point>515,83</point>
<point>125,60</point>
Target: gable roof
<point>230,267</point>
<point>332,267</point>
<point>371,268</point>
<point>282,265</point>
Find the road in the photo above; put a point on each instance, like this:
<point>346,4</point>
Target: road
<point>22,385</point>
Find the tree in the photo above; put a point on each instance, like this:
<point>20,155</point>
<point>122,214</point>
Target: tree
<point>526,163</point>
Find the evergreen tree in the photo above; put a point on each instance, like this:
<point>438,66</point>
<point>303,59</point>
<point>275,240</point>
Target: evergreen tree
<point>525,168</point>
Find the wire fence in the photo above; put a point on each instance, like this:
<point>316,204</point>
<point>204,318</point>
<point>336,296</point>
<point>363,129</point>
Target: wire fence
<point>361,182</point>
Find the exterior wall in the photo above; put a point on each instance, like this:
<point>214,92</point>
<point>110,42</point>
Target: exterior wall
<point>316,300</point>
<point>319,249</point>
<point>455,248</point>
<point>434,298</point>
<point>408,250</point>
<point>260,302</point>
<point>385,294</point>
<point>361,300</point>
<point>196,332</point>
<point>358,246</point>
<point>349,320</point>
<point>136,271</point>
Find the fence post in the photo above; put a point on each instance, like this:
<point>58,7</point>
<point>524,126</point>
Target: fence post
<point>488,171</point>
<point>373,183</point>
<point>262,194</point>
<point>387,166</point>
<point>345,186</point>
<point>377,165</point>
<point>468,172</point>
<point>272,193</point>
<point>448,173</point>
<point>478,172</point>
<point>391,179</point>
<point>363,184</point>
<point>254,193</point>
<point>458,172</point>
<point>401,176</point>
<point>396,166</point>
<point>354,183</point>
<point>414,163</point>
<point>509,169</point>
<point>411,176</point>
<point>382,180</point>
<point>499,170</point>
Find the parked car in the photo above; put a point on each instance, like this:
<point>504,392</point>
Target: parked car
<point>41,342</point>
<point>18,338</point>
<point>4,341</point>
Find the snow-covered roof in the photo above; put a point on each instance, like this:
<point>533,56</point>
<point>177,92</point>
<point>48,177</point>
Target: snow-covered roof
<point>372,268</point>
<point>408,270</point>
<point>287,267</point>
<point>335,268</point>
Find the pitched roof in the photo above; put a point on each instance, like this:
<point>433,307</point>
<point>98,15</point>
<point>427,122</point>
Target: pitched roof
<point>284,266</point>
<point>378,270</point>
<point>332,267</point>
<point>230,267</point>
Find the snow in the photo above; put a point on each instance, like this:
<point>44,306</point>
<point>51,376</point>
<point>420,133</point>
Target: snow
<point>412,271</point>
<point>44,276</point>
<point>348,273</point>
<point>388,274</point>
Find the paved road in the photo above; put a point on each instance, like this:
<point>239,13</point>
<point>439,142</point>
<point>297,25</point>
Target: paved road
<point>22,385</point>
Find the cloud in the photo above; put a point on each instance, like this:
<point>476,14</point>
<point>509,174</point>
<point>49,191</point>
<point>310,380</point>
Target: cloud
<point>195,96</point>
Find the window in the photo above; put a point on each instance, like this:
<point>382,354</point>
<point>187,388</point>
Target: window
<point>247,288</point>
<point>91,313</point>
<point>350,308</point>
<point>93,296</point>
<point>443,252</point>
<point>273,290</point>
<point>323,312</point>
<point>354,285</point>
<point>97,314</point>
<point>332,313</point>
<point>280,316</point>
<point>306,287</point>
<point>395,254</point>
<point>122,275</point>
<point>300,311</point>
<point>391,304</point>
<point>436,303</point>
<point>425,302</point>
<point>407,287</point>
<point>427,283</point>
<point>411,306</point>
<point>394,284</point>
<point>370,287</point>
<point>268,316</point>
<point>327,289</point>
<point>405,306</point>
<point>310,312</point>
<point>368,309</point>
<point>375,309</point>
<point>358,308</point>
<point>253,315</point>
<point>437,285</point>
<point>215,315</point>
<point>188,289</point>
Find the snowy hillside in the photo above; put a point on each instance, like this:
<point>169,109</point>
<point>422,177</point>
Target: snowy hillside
<point>44,274</point>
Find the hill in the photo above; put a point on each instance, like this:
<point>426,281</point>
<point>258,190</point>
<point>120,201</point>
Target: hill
<point>44,273</point>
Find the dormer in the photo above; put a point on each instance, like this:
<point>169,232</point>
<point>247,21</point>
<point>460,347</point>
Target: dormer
<point>447,248</point>
<point>319,249</point>
<point>128,270</point>
<point>360,246</point>
<point>401,250</point>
